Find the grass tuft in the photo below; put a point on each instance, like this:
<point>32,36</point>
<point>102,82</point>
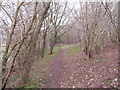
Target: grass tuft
<point>74,50</point>
<point>15,78</point>
<point>30,84</point>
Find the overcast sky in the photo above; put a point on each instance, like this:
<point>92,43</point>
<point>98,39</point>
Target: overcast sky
<point>62,0</point>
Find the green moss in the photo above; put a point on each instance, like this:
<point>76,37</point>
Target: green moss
<point>99,60</point>
<point>29,84</point>
<point>44,80</point>
<point>108,82</point>
<point>56,48</point>
<point>15,78</point>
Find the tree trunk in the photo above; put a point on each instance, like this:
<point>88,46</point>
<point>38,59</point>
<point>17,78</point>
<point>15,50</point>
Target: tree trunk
<point>31,51</point>
<point>51,49</point>
<point>43,46</point>
<point>5,55</point>
<point>53,43</point>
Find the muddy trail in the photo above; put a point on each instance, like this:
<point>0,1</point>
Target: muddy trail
<point>56,69</point>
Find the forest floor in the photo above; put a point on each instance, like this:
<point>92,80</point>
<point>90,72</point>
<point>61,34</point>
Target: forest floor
<point>68,67</point>
<point>99,72</point>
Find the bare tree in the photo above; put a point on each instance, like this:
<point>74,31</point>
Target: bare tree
<point>58,20</point>
<point>92,18</point>
<point>44,36</point>
<point>18,49</point>
<point>30,53</point>
<point>5,55</point>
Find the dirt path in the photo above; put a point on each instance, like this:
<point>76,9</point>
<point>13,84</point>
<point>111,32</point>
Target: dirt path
<point>56,70</point>
<point>74,71</point>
